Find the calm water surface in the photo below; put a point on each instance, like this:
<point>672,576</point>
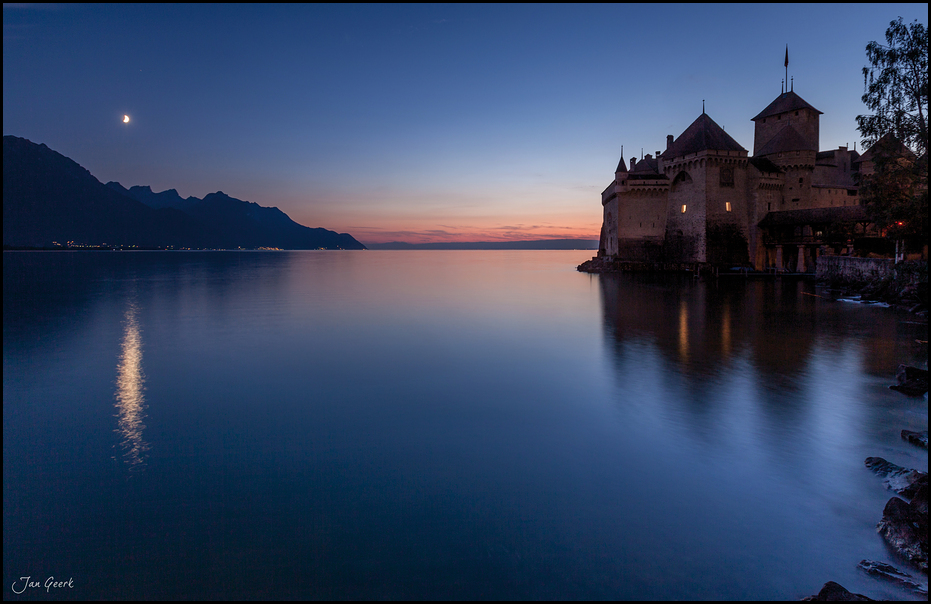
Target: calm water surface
<point>453,424</point>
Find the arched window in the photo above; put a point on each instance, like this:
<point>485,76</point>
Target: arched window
<point>727,176</point>
<point>681,179</point>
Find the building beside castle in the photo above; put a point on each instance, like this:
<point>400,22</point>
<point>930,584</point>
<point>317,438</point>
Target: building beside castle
<point>705,199</point>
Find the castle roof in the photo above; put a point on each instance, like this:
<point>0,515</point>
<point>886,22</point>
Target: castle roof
<point>702,135</point>
<point>787,139</point>
<point>647,164</point>
<point>891,144</point>
<point>621,166</point>
<point>787,101</point>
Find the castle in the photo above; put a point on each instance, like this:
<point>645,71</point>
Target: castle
<point>705,200</point>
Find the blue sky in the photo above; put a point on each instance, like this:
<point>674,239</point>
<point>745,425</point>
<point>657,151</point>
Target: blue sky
<point>416,122</point>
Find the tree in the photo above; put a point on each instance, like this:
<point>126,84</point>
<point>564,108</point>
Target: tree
<point>891,187</point>
<point>896,84</point>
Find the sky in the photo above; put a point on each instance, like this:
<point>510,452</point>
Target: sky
<point>418,123</point>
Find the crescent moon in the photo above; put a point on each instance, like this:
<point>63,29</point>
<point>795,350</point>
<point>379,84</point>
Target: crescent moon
<point>125,119</point>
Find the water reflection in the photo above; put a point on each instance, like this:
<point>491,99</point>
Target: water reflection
<point>683,331</point>
<point>130,400</point>
<point>719,345</point>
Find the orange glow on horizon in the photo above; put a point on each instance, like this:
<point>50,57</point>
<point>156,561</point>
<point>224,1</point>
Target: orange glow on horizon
<point>405,225</point>
<point>496,235</point>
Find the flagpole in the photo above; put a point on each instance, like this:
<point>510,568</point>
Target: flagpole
<point>787,62</point>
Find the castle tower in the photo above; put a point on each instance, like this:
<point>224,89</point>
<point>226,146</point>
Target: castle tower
<point>786,133</point>
<point>788,110</point>
<point>706,210</point>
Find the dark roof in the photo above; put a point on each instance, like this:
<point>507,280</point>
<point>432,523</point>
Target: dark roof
<point>621,166</point>
<point>647,164</point>
<point>825,155</point>
<point>764,165</point>
<point>787,139</point>
<point>702,135</point>
<point>890,142</point>
<point>646,169</point>
<point>787,101</point>
<point>815,216</point>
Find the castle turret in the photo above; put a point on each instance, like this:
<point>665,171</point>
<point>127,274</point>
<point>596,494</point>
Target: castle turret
<point>621,166</point>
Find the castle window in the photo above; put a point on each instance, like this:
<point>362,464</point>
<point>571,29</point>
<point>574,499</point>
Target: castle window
<point>801,180</point>
<point>795,199</point>
<point>727,206</point>
<point>683,208</point>
<point>727,177</point>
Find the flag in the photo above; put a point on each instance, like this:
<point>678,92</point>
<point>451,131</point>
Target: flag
<point>787,55</point>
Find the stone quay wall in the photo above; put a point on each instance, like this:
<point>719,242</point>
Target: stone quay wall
<point>849,269</point>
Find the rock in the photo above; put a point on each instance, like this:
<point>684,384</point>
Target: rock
<point>887,572</point>
<point>916,438</point>
<point>901,480</point>
<point>912,381</point>
<point>905,527</point>
<point>919,502</point>
<point>834,592</point>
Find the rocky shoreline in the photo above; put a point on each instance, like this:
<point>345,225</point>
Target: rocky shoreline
<point>904,521</point>
<point>906,288</point>
<point>904,524</point>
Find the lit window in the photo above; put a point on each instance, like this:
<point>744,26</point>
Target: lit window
<point>727,206</point>
<point>683,208</point>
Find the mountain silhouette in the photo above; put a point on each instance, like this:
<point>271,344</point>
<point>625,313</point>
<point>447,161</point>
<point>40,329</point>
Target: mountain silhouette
<point>242,223</point>
<point>48,198</point>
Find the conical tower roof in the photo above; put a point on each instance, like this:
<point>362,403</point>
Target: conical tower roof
<point>787,101</point>
<point>703,135</point>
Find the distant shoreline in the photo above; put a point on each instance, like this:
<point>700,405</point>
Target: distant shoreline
<point>540,244</point>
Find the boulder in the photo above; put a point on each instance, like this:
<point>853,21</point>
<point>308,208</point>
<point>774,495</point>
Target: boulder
<point>887,572</point>
<point>905,527</point>
<point>912,381</point>
<point>901,480</point>
<point>834,592</point>
<point>916,438</point>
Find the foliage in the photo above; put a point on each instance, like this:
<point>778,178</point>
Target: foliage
<point>896,84</point>
<point>895,199</point>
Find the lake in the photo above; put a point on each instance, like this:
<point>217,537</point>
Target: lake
<point>441,424</point>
